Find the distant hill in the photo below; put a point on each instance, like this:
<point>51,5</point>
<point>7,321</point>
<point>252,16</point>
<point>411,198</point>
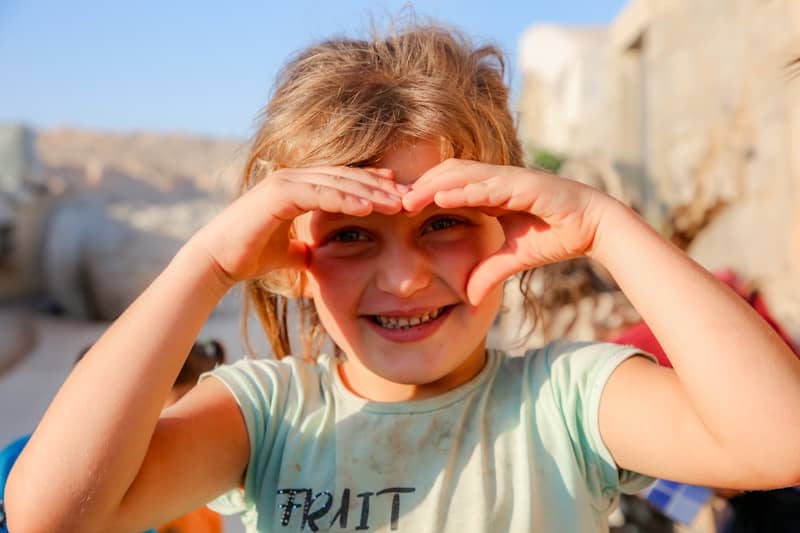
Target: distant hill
<point>140,165</point>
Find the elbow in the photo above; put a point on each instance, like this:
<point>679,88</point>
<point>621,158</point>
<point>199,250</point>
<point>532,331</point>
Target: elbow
<point>26,512</point>
<point>787,481</point>
<point>765,463</point>
<point>24,517</point>
<point>21,512</point>
<point>794,480</point>
<point>17,520</point>
<point>774,476</point>
<point>786,473</point>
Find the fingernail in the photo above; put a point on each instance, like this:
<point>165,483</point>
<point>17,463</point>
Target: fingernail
<point>385,171</point>
<point>402,187</point>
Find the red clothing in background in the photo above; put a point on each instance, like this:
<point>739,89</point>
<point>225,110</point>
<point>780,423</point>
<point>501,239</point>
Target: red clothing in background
<point>639,335</point>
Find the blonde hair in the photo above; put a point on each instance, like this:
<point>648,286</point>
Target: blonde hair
<point>347,101</point>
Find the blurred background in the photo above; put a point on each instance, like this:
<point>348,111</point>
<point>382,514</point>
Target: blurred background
<point>124,125</point>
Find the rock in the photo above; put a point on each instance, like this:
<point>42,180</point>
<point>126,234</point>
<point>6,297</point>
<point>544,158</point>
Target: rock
<point>100,258</point>
<point>65,270</point>
<point>140,166</point>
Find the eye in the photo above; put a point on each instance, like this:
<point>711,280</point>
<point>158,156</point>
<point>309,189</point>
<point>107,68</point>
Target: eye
<point>349,235</point>
<point>441,223</point>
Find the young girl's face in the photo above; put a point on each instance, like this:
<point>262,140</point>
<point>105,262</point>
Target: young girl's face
<point>371,275</point>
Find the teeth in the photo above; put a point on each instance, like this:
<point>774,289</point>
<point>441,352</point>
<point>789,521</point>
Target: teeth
<point>392,322</point>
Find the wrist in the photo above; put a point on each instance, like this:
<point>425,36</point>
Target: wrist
<point>614,219</point>
<point>209,275</point>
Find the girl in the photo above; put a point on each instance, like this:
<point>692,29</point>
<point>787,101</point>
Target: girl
<point>385,194</point>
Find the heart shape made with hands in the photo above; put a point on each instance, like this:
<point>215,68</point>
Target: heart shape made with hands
<point>529,242</point>
<point>544,218</point>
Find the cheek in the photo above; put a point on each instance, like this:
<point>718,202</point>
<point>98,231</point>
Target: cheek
<point>453,262</point>
<point>458,258</point>
<point>334,282</point>
<point>329,302</point>
<point>329,269</point>
<point>336,287</point>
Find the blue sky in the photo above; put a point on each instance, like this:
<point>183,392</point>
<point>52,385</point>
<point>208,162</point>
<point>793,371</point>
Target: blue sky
<point>205,67</point>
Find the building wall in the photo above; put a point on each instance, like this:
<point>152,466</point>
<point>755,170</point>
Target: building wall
<point>703,113</point>
<point>720,129</point>
<point>565,97</point>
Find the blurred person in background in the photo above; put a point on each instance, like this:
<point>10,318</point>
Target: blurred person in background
<point>203,356</point>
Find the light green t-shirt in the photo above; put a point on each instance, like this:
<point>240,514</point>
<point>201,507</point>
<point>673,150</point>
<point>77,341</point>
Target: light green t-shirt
<point>517,448</point>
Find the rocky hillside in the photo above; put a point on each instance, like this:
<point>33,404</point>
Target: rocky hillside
<point>139,166</point>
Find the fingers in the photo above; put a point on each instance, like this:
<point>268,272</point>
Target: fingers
<point>352,191</point>
<point>491,192</point>
<point>296,198</point>
<point>379,178</point>
<point>481,185</point>
<point>334,189</point>
<point>491,272</point>
<point>463,183</point>
<point>441,177</point>
<point>452,169</point>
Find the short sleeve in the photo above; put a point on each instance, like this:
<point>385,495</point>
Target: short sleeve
<point>260,389</point>
<point>578,373</point>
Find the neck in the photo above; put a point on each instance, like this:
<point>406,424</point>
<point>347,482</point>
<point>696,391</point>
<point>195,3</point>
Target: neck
<point>364,383</point>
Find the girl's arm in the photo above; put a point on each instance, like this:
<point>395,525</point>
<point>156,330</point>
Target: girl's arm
<point>79,467</point>
<point>729,414</point>
<point>101,459</point>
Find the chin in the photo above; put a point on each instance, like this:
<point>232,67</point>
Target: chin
<point>407,366</point>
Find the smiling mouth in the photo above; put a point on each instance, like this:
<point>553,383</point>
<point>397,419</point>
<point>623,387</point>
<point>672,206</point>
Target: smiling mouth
<point>408,322</point>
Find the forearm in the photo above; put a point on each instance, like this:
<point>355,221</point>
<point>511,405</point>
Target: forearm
<point>741,378</point>
<point>92,440</point>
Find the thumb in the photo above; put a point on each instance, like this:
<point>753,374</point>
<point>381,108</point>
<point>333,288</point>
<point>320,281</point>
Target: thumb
<point>492,271</point>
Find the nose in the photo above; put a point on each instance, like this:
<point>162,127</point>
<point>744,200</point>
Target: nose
<point>402,271</point>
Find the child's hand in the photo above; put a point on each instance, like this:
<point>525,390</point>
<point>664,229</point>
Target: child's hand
<point>545,218</point>
<point>251,236</point>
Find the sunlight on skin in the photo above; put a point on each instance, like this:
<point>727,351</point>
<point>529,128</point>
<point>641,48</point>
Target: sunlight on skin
<point>403,266</point>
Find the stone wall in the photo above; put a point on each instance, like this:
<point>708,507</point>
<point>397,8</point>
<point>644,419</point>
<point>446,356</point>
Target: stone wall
<point>94,217</point>
<point>704,120</point>
<point>720,120</point>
